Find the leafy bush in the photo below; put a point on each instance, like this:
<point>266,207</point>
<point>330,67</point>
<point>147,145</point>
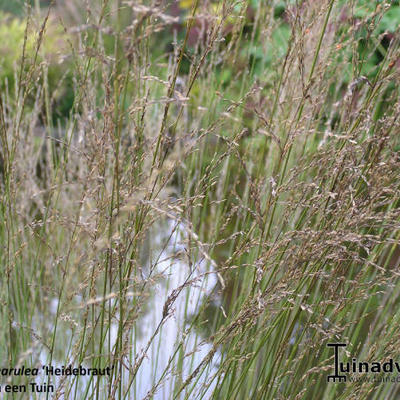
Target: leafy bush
<point>49,54</point>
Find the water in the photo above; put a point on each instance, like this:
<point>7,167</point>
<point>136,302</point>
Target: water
<point>175,272</point>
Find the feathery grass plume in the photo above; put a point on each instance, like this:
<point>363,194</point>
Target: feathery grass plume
<point>199,196</point>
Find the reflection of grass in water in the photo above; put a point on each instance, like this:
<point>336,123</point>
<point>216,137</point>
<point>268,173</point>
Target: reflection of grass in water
<point>285,188</point>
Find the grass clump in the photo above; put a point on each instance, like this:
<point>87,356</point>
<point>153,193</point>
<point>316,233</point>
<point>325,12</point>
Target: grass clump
<point>217,200</point>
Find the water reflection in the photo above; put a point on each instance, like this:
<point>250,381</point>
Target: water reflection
<point>171,263</point>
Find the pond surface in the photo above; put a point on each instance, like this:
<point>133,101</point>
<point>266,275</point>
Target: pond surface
<point>176,272</point>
